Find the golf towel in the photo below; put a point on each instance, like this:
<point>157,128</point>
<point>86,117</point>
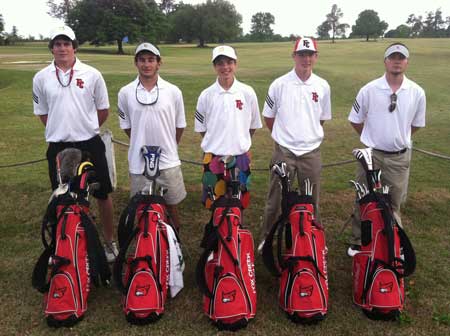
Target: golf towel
<point>176,283</point>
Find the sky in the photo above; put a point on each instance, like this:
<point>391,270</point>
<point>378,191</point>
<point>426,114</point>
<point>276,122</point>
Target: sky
<point>291,16</point>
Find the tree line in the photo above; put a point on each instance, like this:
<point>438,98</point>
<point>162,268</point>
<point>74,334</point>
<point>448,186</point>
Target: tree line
<point>214,21</point>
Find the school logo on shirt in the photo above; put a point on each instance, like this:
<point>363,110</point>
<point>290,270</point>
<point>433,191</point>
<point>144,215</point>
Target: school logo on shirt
<point>239,104</point>
<point>80,83</point>
<point>315,97</point>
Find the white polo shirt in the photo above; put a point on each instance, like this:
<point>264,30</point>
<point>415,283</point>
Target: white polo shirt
<point>388,131</point>
<point>71,110</point>
<point>227,116</point>
<point>153,125</point>
<point>298,107</point>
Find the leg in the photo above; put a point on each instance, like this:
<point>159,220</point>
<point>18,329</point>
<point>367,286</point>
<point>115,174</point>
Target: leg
<point>309,166</point>
<point>173,213</point>
<point>105,207</point>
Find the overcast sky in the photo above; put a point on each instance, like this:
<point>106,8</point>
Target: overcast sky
<point>291,16</point>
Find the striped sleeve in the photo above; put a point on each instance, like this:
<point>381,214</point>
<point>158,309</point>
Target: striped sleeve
<point>200,113</point>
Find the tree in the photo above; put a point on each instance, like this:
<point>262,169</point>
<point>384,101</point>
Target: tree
<point>167,6</point>
<point>323,31</point>
<point>60,9</point>
<point>402,31</point>
<point>261,30</point>
<point>337,29</point>
<point>2,24</point>
<point>416,24</point>
<point>433,25</point>
<point>106,21</point>
<point>369,24</point>
<point>181,23</point>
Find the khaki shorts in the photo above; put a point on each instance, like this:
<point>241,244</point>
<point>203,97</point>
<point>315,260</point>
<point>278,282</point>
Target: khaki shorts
<point>170,179</point>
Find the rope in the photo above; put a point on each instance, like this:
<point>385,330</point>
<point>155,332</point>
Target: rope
<point>333,164</point>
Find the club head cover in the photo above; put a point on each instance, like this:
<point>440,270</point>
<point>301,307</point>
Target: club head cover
<point>151,156</point>
<point>364,156</point>
<point>68,162</point>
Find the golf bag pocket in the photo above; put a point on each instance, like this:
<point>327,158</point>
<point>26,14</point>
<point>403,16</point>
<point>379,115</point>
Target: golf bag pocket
<point>385,293</point>
<point>229,292</point>
<point>61,300</point>
<point>361,262</point>
<point>143,296</point>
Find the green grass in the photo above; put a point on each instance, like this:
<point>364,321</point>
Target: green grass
<point>347,65</point>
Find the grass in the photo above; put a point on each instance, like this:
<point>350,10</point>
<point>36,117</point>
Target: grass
<point>347,65</point>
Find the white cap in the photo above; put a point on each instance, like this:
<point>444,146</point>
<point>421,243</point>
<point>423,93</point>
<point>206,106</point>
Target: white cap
<point>147,47</point>
<point>62,30</point>
<point>305,43</point>
<point>396,48</point>
<point>223,50</point>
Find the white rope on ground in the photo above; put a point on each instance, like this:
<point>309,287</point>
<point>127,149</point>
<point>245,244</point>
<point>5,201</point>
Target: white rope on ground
<point>441,156</point>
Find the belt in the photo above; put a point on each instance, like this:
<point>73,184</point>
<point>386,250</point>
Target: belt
<point>392,153</point>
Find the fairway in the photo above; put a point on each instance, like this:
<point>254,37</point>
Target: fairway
<point>347,65</point>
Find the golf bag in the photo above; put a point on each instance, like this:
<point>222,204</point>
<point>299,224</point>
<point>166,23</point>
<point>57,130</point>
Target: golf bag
<point>386,254</point>
<point>225,272</point>
<point>144,266</point>
<point>301,262</point>
<point>73,256</point>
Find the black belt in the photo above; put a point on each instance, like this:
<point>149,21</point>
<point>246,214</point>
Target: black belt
<point>392,153</point>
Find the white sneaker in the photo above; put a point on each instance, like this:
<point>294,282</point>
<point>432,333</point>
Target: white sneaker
<point>111,251</point>
<point>353,250</point>
<point>260,246</point>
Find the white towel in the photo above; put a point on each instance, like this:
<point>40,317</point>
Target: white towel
<point>176,283</point>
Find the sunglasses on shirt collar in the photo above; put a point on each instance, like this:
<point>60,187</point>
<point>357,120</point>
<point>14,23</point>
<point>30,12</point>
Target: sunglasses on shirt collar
<point>393,103</point>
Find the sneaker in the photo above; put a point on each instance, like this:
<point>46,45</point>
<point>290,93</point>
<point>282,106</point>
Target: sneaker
<point>353,250</point>
<point>111,251</point>
<point>260,246</point>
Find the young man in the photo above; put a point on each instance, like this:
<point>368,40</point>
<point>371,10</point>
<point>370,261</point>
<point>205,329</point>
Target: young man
<point>151,112</point>
<point>295,110</point>
<point>71,100</point>
<point>227,114</point>
<point>386,112</point>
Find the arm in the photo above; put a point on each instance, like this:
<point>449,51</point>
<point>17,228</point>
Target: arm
<point>414,129</point>
<point>179,133</point>
<point>202,134</point>
<point>322,122</point>
<point>128,132</point>
<point>102,116</point>
<point>358,127</point>
<point>252,131</point>
<point>43,119</point>
<point>269,123</point>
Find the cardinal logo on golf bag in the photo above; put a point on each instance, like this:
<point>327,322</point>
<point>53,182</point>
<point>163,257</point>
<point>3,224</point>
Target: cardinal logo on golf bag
<point>142,290</point>
<point>306,291</point>
<point>59,292</point>
<point>386,287</point>
<point>229,296</point>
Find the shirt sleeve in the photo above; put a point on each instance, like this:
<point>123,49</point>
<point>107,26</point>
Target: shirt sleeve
<point>122,109</point>
<point>180,121</point>
<point>419,118</point>
<point>359,109</point>
<point>256,117</point>
<point>40,106</point>
<point>270,105</point>
<point>200,114</point>
<point>326,104</point>
<point>101,94</point>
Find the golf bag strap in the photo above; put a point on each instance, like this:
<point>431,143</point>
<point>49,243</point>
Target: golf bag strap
<point>408,252</point>
<point>118,264</point>
<point>267,252</point>
<point>389,222</point>
<point>39,276</point>
<point>211,245</point>
<point>98,265</point>
<point>126,221</point>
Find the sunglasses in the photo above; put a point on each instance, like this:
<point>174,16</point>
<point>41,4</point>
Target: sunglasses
<point>393,103</point>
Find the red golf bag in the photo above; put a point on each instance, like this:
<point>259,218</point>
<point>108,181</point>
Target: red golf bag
<point>301,261</point>
<point>386,257</point>
<point>76,256</point>
<point>141,271</point>
<point>225,272</point>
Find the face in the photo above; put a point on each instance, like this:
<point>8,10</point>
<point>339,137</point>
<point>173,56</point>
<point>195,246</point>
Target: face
<point>305,61</point>
<point>396,64</point>
<point>225,67</point>
<point>147,64</point>
<point>63,51</point>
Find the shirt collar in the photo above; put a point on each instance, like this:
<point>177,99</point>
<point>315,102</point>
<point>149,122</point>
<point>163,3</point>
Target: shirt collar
<point>77,66</point>
<point>383,84</point>
<point>232,89</point>
<point>161,83</point>
<point>297,80</point>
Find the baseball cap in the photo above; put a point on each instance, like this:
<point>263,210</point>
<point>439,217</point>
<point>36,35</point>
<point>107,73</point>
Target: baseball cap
<point>62,30</point>
<point>305,44</point>
<point>223,50</point>
<point>147,47</point>
<point>396,48</point>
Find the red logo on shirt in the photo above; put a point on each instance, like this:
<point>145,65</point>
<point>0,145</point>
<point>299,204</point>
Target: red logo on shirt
<point>80,83</point>
<point>315,97</point>
<point>239,104</point>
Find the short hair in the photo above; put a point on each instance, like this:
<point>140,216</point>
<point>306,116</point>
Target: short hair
<point>221,57</point>
<point>51,43</point>
<point>158,58</point>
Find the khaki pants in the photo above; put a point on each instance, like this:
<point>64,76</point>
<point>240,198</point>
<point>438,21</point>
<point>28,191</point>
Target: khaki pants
<point>301,167</point>
<point>395,174</point>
